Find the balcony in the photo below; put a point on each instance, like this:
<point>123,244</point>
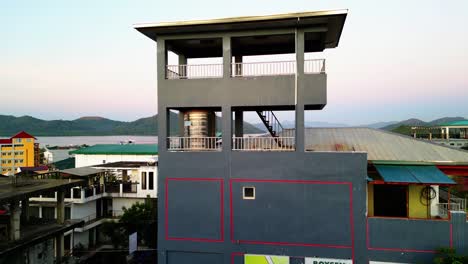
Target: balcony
<point>270,83</point>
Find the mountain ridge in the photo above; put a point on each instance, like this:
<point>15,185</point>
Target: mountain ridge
<point>90,126</point>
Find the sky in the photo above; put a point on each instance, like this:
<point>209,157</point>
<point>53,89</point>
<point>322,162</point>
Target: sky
<point>66,59</point>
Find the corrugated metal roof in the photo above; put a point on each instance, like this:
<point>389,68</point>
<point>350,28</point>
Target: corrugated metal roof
<point>118,149</point>
<point>82,171</point>
<point>413,174</point>
<point>455,123</point>
<point>382,145</point>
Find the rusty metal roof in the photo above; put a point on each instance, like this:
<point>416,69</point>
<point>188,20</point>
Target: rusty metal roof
<point>382,146</point>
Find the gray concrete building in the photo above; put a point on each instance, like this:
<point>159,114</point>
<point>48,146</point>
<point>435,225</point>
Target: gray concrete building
<point>23,237</point>
<point>225,197</point>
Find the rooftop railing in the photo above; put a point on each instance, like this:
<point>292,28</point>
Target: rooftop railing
<point>263,143</point>
<point>194,143</point>
<point>194,71</point>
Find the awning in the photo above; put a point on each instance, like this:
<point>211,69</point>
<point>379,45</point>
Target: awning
<point>413,174</point>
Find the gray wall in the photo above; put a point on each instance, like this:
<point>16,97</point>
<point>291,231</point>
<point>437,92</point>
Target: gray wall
<point>302,204</point>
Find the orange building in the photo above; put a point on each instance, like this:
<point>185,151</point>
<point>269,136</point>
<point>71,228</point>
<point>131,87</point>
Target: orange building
<point>21,150</point>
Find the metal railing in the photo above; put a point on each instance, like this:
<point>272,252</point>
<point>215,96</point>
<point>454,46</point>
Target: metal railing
<point>444,208</point>
<point>245,69</point>
<point>112,187</point>
<point>263,143</point>
<point>194,143</point>
<point>194,71</point>
<point>314,66</point>
<point>129,187</point>
<point>460,201</point>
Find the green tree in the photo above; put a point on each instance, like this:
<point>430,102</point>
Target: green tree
<point>449,256</point>
<point>141,218</point>
<point>115,233</point>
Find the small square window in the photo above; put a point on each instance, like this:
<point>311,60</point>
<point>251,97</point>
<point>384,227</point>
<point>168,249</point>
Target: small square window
<point>248,193</point>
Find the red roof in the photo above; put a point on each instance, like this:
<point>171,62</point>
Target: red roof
<point>22,134</point>
<point>5,141</point>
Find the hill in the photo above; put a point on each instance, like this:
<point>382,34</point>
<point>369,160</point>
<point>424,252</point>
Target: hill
<point>404,127</point>
<point>90,126</point>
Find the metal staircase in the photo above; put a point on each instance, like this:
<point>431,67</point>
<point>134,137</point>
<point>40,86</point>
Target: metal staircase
<point>271,122</point>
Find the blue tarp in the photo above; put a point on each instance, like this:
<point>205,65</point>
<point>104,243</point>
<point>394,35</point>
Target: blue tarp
<point>413,174</point>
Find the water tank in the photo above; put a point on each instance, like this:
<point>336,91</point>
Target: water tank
<point>198,125</point>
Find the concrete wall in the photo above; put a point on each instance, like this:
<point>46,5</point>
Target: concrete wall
<point>82,160</point>
<point>118,203</point>
<point>299,209</point>
<point>79,211</point>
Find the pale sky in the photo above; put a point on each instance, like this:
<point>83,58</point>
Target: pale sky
<point>66,59</point>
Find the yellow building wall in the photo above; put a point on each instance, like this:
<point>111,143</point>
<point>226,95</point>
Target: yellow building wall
<point>418,208</point>
<point>370,200</point>
<point>27,156</point>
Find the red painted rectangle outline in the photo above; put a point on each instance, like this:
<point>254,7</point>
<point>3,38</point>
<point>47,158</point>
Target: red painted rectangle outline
<point>194,239</point>
<point>287,243</point>
<point>401,249</point>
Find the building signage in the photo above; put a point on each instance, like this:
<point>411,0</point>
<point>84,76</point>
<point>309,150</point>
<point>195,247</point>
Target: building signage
<point>327,261</point>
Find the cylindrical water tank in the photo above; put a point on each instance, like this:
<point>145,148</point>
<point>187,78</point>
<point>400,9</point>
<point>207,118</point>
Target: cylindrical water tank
<point>197,127</point>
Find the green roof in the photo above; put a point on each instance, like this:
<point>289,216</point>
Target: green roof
<point>118,149</point>
<point>455,123</point>
<point>65,164</point>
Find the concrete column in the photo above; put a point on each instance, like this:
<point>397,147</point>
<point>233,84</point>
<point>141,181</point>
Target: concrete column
<point>430,135</point>
<point>226,58</point>
<point>15,221</point>
<point>448,133</point>
<point>161,58</point>
<point>227,128</point>
<point>238,68</point>
<point>60,207</point>
<point>59,248</point>
<point>121,190</point>
<point>182,65</point>
<point>239,123</point>
<point>25,210</point>
<point>298,88</point>
<point>211,124</point>
<point>181,123</point>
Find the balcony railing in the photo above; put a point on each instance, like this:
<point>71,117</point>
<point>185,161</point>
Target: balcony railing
<point>194,71</point>
<point>263,143</point>
<point>314,66</point>
<point>112,187</point>
<point>445,208</point>
<point>246,69</point>
<point>194,143</point>
<point>129,187</point>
